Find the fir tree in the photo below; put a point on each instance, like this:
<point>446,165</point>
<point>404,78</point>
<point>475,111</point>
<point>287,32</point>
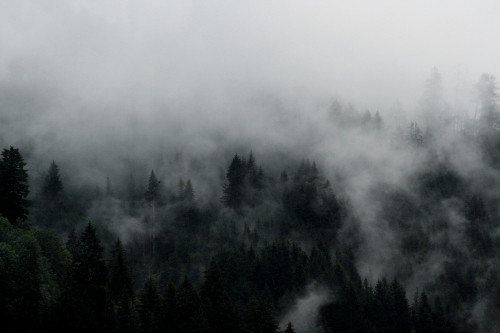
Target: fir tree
<point>72,242</point>
<point>153,191</point>
<point>52,186</point>
<point>190,315</point>
<point>120,286</point>
<point>82,306</point>
<point>217,304</point>
<point>259,319</point>
<point>189,191</point>
<point>168,321</point>
<point>234,187</point>
<point>14,188</point>
<point>149,307</point>
<point>180,189</point>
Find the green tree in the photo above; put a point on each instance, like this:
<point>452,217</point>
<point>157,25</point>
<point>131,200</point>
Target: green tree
<point>120,290</point>
<point>168,321</point>
<point>153,190</point>
<point>189,191</point>
<point>259,319</point>
<point>14,188</point>
<point>216,302</point>
<point>149,307</point>
<point>190,315</point>
<point>424,315</point>
<point>20,278</point>
<point>52,185</point>
<point>82,306</point>
<point>120,286</point>
<point>489,117</point>
<point>234,186</point>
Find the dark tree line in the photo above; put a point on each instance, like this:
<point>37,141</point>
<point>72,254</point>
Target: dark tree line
<point>229,267</point>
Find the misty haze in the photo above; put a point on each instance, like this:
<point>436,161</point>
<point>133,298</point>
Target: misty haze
<point>245,166</point>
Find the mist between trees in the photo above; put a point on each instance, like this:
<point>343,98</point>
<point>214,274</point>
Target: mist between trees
<point>328,218</point>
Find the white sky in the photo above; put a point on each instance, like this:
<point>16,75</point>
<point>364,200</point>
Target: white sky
<point>211,51</point>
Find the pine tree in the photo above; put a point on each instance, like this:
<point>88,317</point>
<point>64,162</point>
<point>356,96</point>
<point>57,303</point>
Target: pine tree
<point>52,186</point>
<point>180,189</point>
<point>399,311</point>
<point>234,187</point>
<point>424,315</point>
<point>489,118</point>
<point>149,307</point>
<point>120,286</point>
<point>153,191</point>
<point>189,191</point>
<point>72,242</point>
<point>415,136</point>
<point>14,188</point>
<point>20,279</point>
<point>190,315</point>
<point>259,319</point>
<point>82,304</point>
<point>216,302</point>
<point>168,321</point>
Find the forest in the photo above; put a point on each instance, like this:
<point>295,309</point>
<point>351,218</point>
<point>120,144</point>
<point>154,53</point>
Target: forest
<point>267,246</point>
<point>250,166</point>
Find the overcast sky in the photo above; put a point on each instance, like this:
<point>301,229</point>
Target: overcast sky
<point>195,53</point>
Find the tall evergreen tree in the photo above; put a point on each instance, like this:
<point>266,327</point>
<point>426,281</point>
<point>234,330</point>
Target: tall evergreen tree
<point>189,191</point>
<point>120,286</point>
<point>153,190</point>
<point>14,187</point>
<point>149,308</point>
<point>83,303</point>
<point>234,186</point>
<point>180,189</point>
<point>168,320</point>
<point>190,315</point>
<point>52,186</point>
<point>489,117</point>
<point>216,302</point>
<point>72,242</point>
<point>424,314</point>
<point>259,318</point>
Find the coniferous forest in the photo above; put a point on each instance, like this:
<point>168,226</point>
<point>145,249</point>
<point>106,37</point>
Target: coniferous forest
<point>130,202</point>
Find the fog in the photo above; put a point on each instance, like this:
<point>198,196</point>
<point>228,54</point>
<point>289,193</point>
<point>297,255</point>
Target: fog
<point>106,87</point>
<point>85,74</point>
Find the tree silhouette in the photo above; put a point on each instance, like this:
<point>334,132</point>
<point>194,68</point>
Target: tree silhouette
<point>14,188</point>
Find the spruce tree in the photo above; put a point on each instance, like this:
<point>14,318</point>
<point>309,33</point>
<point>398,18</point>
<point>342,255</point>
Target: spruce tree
<point>120,286</point>
<point>180,189</point>
<point>190,315</point>
<point>153,191</point>
<point>259,318</point>
<point>149,307</point>
<point>14,188</point>
<point>72,242</point>
<point>216,302</point>
<point>52,186</point>
<point>168,320</point>
<point>189,191</point>
<point>83,304</point>
<point>234,186</point>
